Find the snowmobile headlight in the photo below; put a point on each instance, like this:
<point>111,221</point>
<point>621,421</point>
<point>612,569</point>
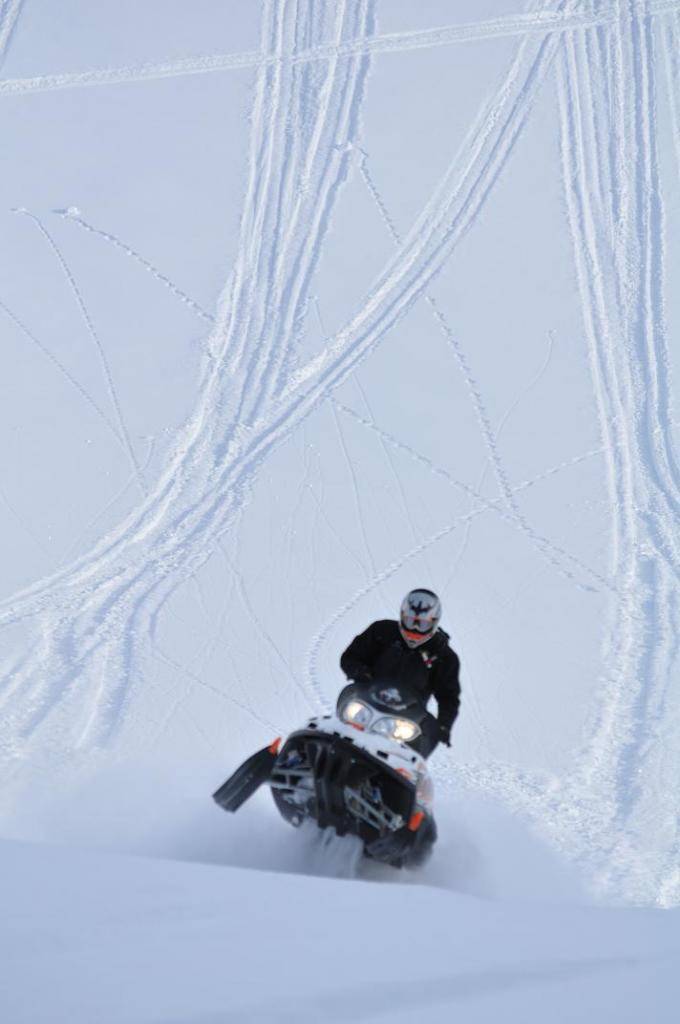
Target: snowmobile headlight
<point>402,729</point>
<point>356,713</point>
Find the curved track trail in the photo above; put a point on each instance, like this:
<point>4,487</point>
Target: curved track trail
<point>93,625</point>
<point>539,23</point>
<point>621,793</point>
<point>9,14</point>
<point>95,615</point>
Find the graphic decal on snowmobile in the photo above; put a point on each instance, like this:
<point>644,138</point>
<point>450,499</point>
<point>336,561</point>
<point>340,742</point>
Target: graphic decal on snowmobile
<point>392,698</point>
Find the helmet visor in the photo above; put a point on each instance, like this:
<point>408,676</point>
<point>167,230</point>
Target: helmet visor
<point>425,622</point>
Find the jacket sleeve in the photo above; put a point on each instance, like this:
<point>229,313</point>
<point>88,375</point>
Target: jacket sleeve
<point>357,661</point>
<point>446,690</point>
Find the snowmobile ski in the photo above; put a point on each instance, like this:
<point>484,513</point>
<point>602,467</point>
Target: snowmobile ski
<point>240,786</point>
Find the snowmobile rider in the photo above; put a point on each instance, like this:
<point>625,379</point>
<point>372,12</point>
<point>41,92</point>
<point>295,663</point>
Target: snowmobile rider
<point>413,652</point>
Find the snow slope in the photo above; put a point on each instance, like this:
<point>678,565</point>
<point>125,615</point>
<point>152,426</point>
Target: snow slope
<point>130,940</point>
<point>304,304</point>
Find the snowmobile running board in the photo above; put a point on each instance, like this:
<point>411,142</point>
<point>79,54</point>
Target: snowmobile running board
<point>240,786</point>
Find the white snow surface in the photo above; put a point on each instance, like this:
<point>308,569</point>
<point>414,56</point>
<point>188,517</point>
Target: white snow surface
<point>304,303</point>
<point>132,940</point>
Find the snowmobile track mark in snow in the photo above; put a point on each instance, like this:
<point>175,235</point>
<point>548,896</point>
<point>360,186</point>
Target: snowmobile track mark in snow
<point>446,218</point>
<point>101,608</point>
<point>543,22</point>
<point>9,14</point>
<point>33,598</point>
<point>624,246</point>
<point>670,44</point>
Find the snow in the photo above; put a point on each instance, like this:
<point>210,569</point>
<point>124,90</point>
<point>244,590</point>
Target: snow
<point>126,939</point>
<point>303,305</point>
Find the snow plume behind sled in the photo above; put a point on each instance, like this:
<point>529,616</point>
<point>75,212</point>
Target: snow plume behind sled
<point>329,855</point>
<point>486,851</point>
<point>132,808</point>
<point>144,807</point>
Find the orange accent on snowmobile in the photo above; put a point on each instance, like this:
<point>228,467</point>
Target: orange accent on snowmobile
<point>416,821</point>
<point>273,748</point>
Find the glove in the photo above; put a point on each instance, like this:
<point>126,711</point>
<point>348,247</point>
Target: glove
<point>362,677</point>
<point>444,733</point>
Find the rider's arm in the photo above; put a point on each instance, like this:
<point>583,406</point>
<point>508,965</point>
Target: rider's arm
<point>357,661</point>
<point>446,690</point>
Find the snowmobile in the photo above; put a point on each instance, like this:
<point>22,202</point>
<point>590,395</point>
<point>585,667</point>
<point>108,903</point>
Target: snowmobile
<point>359,771</point>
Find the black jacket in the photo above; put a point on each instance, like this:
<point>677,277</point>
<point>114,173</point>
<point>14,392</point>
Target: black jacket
<point>432,669</point>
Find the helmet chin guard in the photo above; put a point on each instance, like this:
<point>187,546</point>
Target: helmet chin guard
<point>419,617</point>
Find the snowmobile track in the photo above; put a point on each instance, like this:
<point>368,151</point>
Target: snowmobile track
<point>106,600</point>
<point>543,22</point>
<point>619,256</point>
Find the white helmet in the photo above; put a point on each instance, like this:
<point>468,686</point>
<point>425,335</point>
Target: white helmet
<point>420,614</point>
